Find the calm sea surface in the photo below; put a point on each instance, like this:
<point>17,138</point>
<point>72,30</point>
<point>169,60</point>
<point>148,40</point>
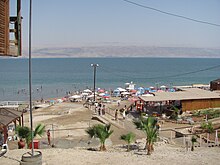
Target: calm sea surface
<point>54,77</point>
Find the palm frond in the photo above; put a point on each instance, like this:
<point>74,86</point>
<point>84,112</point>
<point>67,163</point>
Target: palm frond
<point>39,130</point>
<point>128,137</point>
<point>91,132</point>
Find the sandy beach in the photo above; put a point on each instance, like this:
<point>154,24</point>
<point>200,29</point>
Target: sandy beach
<point>69,121</point>
<point>163,155</point>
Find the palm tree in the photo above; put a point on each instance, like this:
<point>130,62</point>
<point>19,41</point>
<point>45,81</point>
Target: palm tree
<point>174,115</point>
<point>128,138</point>
<point>100,131</point>
<point>149,127</point>
<point>25,132</point>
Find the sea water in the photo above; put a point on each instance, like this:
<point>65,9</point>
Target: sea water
<point>55,77</point>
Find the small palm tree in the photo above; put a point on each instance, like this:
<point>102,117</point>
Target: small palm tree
<point>100,131</point>
<point>25,132</point>
<point>174,115</point>
<point>149,127</point>
<point>209,127</point>
<point>193,140</point>
<point>203,125</point>
<point>129,138</point>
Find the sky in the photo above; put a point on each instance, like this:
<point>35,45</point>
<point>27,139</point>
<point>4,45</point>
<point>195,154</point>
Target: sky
<point>98,22</point>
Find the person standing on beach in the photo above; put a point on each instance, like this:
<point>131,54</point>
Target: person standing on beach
<point>118,102</point>
<point>103,110</point>
<point>116,114</point>
<point>99,111</point>
<point>48,136</point>
<point>96,107</point>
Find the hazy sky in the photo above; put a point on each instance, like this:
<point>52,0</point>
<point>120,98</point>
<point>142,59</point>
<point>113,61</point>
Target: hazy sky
<point>85,22</point>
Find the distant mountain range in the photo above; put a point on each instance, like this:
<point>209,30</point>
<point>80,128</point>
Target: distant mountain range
<point>124,51</point>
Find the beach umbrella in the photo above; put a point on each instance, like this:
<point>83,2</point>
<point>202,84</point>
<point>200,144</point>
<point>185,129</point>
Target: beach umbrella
<point>101,90</point>
<point>125,93</point>
<point>121,89</point>
<point>162,86</point>
<point>130,88</point>
<point>90,96</point>
<point>85,94</point>
<point>147,89</point>
<point>102,94</point>
<point>75,97</point>
<point>93,93</point>
<point>106,95</point>
<point>87,91</point>
<point>133,91</point>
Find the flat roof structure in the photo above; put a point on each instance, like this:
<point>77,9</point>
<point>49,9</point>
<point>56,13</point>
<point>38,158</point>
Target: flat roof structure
<point>8,115</point>
<point>184,94</point>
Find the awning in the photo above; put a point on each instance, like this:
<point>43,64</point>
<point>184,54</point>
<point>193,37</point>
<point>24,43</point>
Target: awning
<point>8,115</point>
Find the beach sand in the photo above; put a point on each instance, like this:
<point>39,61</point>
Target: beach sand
<point>163,155</point>
<point>71,143</point>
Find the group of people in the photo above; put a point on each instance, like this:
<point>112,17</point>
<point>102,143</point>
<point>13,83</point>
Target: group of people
<point>99,108</point>
<point>123,113</point>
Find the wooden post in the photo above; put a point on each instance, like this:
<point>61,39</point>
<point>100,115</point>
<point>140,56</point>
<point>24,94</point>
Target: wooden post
<point>22,120</point>
<point>200,140</point>
<point>216,137</point>
<point>171,135</point>
<point>207,139</point>
<point>187,145</point>
<point>184,140</point>
<point>5,134</point>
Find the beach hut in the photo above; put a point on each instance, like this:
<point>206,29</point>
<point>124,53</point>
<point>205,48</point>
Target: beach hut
<point>140,91</point>
<point>215,85</point>
<point>116,93</point>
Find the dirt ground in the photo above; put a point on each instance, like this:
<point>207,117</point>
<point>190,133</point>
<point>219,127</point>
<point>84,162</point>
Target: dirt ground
<point>69,122</point>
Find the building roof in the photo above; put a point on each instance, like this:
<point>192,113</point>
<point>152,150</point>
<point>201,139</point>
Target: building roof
<point>185,94</point>
<point>8,115</point>
<point>216,81</point>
